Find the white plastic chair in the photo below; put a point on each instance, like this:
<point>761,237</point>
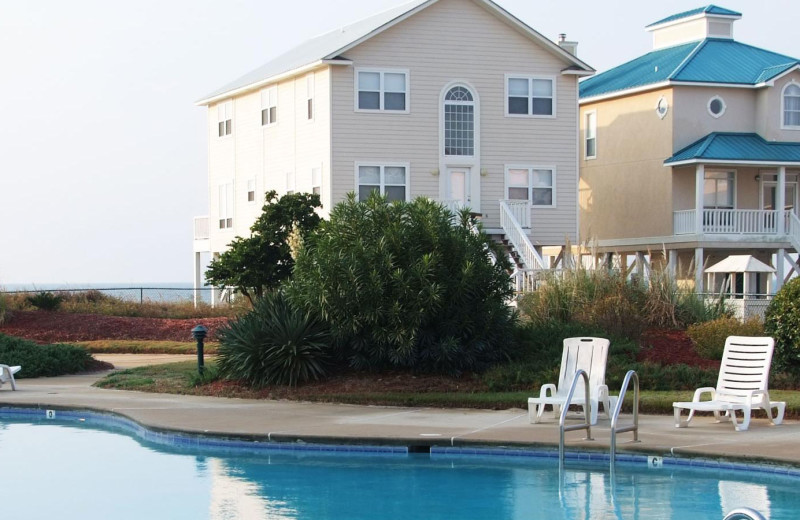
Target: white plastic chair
<point>589,354</point>
<point>742,385</point>
<point>7,375</point>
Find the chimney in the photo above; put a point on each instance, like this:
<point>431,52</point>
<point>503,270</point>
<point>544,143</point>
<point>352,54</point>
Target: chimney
<point>570,47</point>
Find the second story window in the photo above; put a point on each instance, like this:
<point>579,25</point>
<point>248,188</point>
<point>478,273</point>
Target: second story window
<point>382,90</point>
<point>224,118</point>
<point>316,181</point>
<point>530,96</point>
<point>718,190</point>
<point>591,135</point>
<point>269,106</point>
<point>459,122</point>
<point>310,96</point>
<point>791,106</point>
<point>532,183</point>
<point>225,192</point>
<point>251,190</point>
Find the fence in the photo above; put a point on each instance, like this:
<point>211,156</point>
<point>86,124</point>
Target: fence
<point>140,294</point>
<point>743,306</point>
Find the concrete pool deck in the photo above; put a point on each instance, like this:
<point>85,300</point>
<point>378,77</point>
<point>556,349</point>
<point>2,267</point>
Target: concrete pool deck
<point>332,423</point>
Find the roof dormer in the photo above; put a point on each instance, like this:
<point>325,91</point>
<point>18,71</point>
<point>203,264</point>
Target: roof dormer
<point>704,22</point>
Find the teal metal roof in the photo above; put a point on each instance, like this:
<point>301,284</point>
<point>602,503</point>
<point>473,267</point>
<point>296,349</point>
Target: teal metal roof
<point>709,9</point>
<point>737,147</point>
<point>712,60</point>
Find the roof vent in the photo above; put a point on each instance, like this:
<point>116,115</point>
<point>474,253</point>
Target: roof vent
<point>570,47</point>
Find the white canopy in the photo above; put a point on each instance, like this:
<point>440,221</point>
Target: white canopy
<point>740,264</point>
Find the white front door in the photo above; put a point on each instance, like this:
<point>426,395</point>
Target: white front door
<point>458,187</point>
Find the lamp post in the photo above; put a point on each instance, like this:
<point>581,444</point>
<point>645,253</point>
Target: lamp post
<point>199,333</point>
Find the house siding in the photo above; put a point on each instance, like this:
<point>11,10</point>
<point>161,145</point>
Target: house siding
<point>626,191</point>
<point>478,49</point>
<point>267,154</point>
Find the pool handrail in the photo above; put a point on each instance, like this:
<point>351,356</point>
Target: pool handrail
<point>587,412</point>
<point>618,408</point>
<point>744,513</point>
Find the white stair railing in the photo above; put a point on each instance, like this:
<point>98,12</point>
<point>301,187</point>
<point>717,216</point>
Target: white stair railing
<point>793,230</point>
<point>531,259</point>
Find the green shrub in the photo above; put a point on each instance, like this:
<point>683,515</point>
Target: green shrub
<point>2,308</point>
<point>43,360</point>
<point>709,337</point>
<point>653,376</point>
<point>45,301</point>
<point>782,322</point>
<point>275,343</point>
<point>403,285</point>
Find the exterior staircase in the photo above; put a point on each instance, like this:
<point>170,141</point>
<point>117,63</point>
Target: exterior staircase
<point>515,221</point>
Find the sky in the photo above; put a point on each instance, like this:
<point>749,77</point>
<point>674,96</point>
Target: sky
<point>103,154</point>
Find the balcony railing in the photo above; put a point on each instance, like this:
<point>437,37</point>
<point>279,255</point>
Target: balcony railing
<point>518,237</point>
<point>201,228</point>
<point>521,211</point>
<point>730,221</point>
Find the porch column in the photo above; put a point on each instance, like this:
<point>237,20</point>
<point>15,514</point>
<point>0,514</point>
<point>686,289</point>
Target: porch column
<point>780,200</point>
<point>698,270</point>
<point>672,264</point>
<point>196,277</point>
<point>699,186</point>
<point>780,262</point>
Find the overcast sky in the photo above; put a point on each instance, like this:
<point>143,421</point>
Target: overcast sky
<point>103,153</point>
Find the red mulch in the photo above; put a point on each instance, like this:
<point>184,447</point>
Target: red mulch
<point>53,327</point>
<point>672,347</point>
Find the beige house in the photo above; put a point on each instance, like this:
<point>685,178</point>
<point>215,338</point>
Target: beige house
<point>456,100</point>
<point>694,149</point>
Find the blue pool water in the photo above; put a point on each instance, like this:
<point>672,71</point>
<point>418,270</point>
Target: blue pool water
<point>69,470</point>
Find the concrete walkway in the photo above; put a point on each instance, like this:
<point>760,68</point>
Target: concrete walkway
<point>311,422</point>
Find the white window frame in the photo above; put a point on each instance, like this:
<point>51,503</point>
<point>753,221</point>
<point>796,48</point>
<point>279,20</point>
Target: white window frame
<point>587,136</point>
<point>248,191</point>
<point>382,165</point>
<point>227,205</point>
<point>475,122</point>
<point>721,112</point>
<point>316,184</point>
<point>784,126</point>
<point>530,168</point>
<point>659,113</point>
<point>530,78</point>
<point>381,92</point>
<point>225,116</point>
<point>291,182</point>
<point>271,94</point>
<point>734,178</point>
<point>311,108</point>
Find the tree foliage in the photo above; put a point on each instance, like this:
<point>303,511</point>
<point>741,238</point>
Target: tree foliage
<point>782,322</point>
<point>403,285</point>
<point>261,261</point>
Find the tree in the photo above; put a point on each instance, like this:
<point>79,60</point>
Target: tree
<point>403,285</point>
<point>262,261</point>
<point>782,322</point>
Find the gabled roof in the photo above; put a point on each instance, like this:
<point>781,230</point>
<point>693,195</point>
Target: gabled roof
<point>711,60</point>
<point>729,147</point>
<point>328,47</point>
<point>709,9</point>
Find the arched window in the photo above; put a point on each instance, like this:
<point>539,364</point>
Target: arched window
<point>459,122</point>
<point>791,105</point>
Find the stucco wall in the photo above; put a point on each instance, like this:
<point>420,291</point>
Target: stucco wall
<point>693,120</point>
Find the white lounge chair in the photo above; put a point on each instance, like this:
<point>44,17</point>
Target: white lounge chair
<point>742,385</point>
<point>589,354</point>
<point>7,375</point>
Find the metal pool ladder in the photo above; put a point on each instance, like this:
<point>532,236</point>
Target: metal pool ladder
<point>744,513</point>
<point>587,412</point>
<point>615,415</point>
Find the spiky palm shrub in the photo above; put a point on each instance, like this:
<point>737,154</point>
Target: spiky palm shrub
<point>275,343</point>
<point>407,285</point>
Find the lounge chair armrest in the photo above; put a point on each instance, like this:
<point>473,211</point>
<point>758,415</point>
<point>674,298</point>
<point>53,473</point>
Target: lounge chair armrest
<point>705,390</point>
<point>549,386</point>
<point>764,394</point>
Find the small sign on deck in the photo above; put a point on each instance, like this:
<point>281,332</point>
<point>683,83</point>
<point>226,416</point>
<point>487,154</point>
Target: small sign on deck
<point>654,462</point>
<point>50,414</point>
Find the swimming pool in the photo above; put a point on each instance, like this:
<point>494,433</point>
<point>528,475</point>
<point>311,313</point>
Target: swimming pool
<point>72,469</point>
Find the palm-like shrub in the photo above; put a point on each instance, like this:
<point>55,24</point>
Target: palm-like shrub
<point>275,343</point>
<point>407,284</point>
<point>782,322</point>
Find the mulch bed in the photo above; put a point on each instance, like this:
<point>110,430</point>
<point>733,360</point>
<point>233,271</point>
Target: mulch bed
<point>54,327</point>
<point>672,347</point>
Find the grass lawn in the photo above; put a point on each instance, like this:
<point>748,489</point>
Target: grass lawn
<point>181,378</point>
<point>121,346</point>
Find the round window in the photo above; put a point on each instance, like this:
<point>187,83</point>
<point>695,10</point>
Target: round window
<point>662,107</point>
<point>716,106</point>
